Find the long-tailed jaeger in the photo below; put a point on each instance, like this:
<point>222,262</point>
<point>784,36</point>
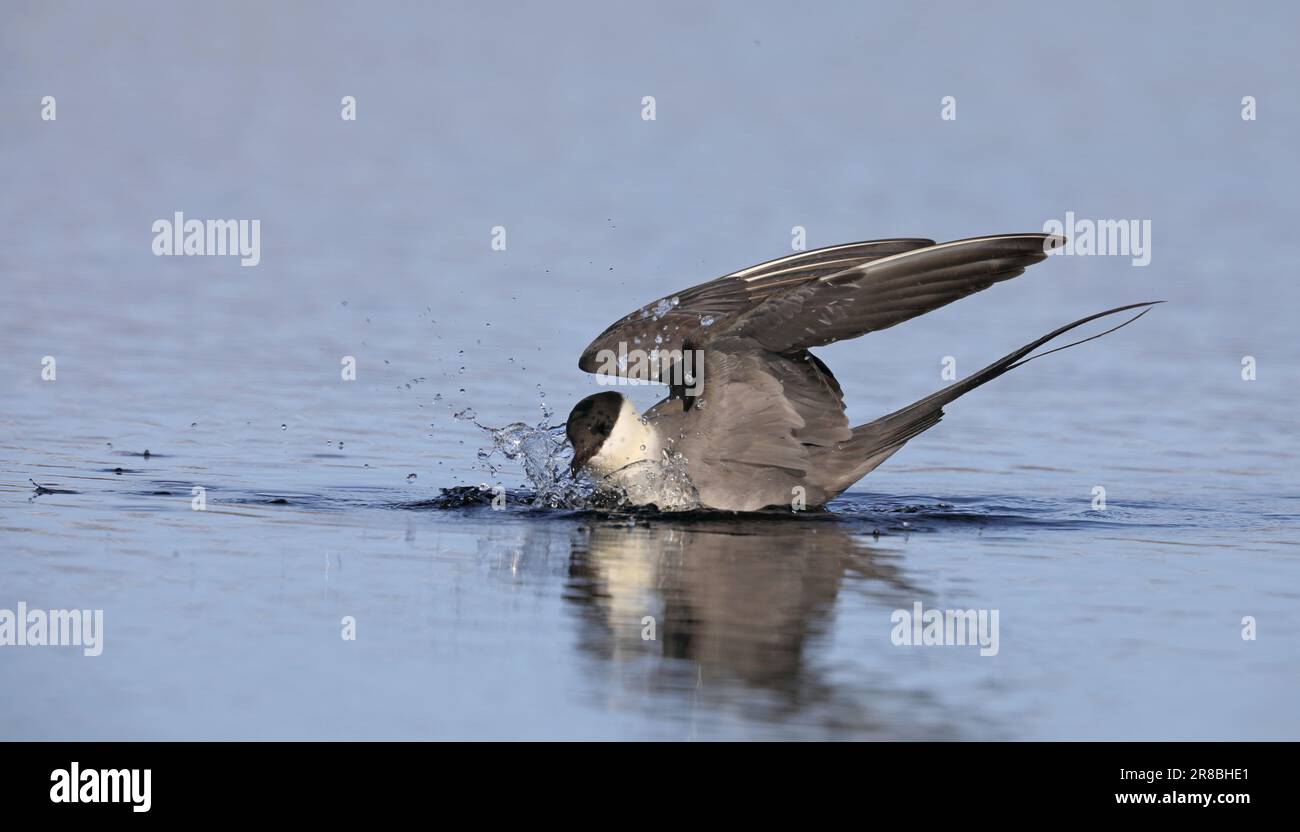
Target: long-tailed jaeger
<point>753,419</point>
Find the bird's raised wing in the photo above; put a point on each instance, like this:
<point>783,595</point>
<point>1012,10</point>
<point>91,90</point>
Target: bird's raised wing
<point>883,292</point>
<point>668,323</point>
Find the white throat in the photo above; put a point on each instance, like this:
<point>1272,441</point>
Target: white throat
<point>631,440</point>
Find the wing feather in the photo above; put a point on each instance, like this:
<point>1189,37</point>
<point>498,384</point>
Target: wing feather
<point>689,315</point>
<point>885,292</point>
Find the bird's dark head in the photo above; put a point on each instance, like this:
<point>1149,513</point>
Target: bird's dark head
<point>592,422</point>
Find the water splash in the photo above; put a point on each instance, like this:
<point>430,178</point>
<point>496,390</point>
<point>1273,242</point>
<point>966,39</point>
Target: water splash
<point>660,308</point>
<point>663,483</point>
<point>545,454</point>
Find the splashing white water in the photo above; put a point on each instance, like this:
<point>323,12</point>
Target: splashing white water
<point>545,454</point>
<point>663,483</point>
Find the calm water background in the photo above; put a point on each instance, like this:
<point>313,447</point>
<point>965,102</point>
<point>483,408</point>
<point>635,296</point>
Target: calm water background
<point>526,623</point>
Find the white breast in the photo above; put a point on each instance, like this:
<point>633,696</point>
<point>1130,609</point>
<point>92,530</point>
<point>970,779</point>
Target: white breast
<point>631,440</point>
<point>632,460</point>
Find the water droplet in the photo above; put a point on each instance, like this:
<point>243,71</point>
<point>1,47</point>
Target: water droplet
<point>284,427</point>
<point>411,477</point>
<point>706,320</point>
<point>663,307</point>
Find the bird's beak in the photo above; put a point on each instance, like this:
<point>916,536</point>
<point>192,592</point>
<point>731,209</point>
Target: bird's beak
<point>579,462</point>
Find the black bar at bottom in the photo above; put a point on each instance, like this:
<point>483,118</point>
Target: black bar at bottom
<point>332,780</point>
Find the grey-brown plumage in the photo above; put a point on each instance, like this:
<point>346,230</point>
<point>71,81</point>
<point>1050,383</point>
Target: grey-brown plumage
<point>767,423</point>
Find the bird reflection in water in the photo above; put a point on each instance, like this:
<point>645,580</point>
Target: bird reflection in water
<point>709,613</point>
